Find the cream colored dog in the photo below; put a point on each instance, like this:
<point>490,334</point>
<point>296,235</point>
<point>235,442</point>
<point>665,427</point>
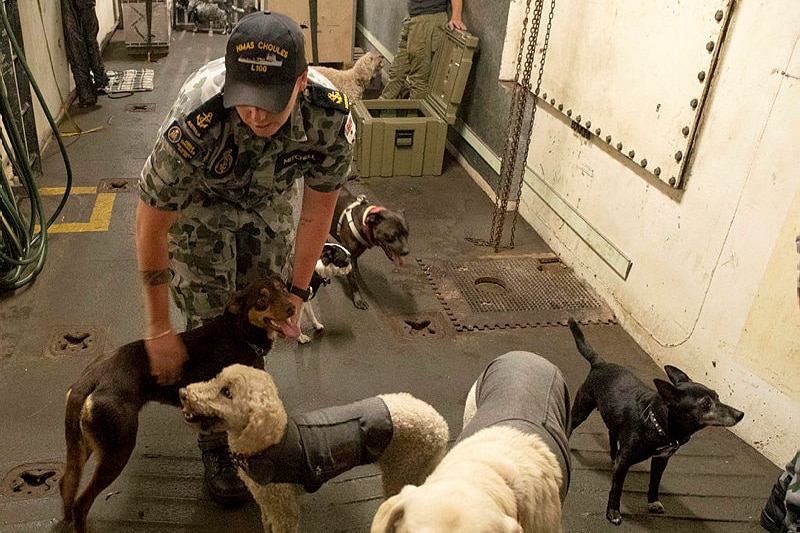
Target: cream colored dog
<point>355,80</point>
<point>280,457</point>
<point>502,478</point>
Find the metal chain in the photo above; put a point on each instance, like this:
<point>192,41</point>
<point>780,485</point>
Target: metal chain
<point>512,165</point>
<point>533,114</point>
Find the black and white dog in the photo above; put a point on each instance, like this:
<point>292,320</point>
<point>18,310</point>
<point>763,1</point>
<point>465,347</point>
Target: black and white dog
<point>335,260</point>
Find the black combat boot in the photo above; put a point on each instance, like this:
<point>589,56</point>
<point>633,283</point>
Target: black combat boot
<point>220,478</point>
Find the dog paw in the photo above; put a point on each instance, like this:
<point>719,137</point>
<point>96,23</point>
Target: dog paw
<point>360,303</point>
<point>318,327</point>
<point>655,507</point>
<point>303,339</point>
<point>614,516</point>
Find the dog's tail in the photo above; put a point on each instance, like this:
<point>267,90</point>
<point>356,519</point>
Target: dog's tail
<point>583,347</point>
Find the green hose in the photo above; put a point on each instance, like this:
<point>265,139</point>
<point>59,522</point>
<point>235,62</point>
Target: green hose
<point>23,248</point>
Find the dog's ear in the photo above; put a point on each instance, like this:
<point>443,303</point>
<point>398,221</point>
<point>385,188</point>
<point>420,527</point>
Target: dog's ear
<point>237,304</point>
<point>266,417</point>
<point>265,426</point>
<point>667,391</point>
<point>676,375</point>
<point>374,217</point>
<point>389,513</point>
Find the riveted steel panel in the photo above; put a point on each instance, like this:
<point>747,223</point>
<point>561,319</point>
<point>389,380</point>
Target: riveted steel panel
<point>635,76</point>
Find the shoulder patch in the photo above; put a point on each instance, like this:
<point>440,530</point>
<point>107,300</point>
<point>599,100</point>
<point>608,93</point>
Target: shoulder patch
<point>188,134</point>
<point>200,121</point>
<point>327,97</point>
<point>183,144</point>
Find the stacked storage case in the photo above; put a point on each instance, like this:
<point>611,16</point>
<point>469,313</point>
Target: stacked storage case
<point>137,30</point>
<point>407,137</point>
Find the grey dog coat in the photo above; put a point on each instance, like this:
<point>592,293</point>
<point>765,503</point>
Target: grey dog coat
<point>527,392</point>
<point>320,445</point>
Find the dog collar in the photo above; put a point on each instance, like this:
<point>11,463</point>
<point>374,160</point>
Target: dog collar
<point>261,352</point>
<point>672,446</point>
<point>367,228</point>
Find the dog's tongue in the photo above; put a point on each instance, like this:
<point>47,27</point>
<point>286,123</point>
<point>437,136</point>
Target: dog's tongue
<point>289,330</point>
<point>394,258</point>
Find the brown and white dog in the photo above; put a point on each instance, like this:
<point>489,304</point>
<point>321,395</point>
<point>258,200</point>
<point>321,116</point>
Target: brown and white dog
<point>102,412</point>
<point>359,225</point>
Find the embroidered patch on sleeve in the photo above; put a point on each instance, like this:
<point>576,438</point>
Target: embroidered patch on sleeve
<point>183,144</point>
<point>225,161</point>
<point>350,129</point>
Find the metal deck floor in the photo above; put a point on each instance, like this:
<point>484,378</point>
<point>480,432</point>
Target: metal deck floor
<point>716,483</point>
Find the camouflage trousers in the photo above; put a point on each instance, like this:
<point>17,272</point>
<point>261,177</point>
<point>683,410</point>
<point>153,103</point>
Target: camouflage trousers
<point>219,248</point>
<point>420,38</point>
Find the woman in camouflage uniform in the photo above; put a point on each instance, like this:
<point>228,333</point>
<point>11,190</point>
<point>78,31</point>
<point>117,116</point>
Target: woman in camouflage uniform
<point>216,194</point>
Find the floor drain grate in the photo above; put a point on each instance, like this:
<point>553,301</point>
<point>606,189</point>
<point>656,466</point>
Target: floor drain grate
<point>140,108</point>
<point>32,480</point>
<point>114,185</point>
<point>494,293</point>
<point>74,340</point>
<point>420,326</point>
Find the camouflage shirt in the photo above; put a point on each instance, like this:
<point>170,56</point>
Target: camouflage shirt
<point>205,153</point>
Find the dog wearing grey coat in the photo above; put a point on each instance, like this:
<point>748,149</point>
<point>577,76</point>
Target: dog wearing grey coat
<point>510,467</point>
<point>281,456</point>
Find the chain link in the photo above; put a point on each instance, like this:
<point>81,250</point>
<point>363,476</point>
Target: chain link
<point>518,129</point>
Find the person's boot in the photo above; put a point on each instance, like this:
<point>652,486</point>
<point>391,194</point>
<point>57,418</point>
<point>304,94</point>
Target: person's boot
<point>220,477</point>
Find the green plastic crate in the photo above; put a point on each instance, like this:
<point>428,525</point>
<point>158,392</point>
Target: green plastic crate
<point>407,137</point>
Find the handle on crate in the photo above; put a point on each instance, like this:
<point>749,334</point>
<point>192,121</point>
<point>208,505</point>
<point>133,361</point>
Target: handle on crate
<point>404,138</point>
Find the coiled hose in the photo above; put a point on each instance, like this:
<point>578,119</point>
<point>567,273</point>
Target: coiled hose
<point>23,248</point>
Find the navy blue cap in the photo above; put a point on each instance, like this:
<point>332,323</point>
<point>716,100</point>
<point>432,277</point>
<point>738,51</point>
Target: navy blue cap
<point>264,57</point>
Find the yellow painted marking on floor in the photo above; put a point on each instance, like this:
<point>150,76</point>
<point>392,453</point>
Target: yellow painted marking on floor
<point>101,212</point>
<point>51,191</point>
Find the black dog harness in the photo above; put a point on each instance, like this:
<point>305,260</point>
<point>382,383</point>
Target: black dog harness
<point>320,445</point>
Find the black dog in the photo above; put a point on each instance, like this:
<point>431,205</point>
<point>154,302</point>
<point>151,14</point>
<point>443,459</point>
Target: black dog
<point>335,260</point>
<point>358,226</point>
<point>641,422</point>
<point>102,413</point>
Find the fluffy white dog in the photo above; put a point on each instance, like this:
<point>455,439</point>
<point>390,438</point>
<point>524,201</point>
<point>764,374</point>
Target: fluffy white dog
<point>509,469</point>
<point>354,81</point>
<point>280,457</point>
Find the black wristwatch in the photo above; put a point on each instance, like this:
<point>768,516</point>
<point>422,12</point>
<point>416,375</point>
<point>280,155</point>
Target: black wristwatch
<point>303,294</point>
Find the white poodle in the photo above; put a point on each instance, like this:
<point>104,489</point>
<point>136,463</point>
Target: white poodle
<point>280,457</point>
<point>509,469</point>
<point>355,80</point>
